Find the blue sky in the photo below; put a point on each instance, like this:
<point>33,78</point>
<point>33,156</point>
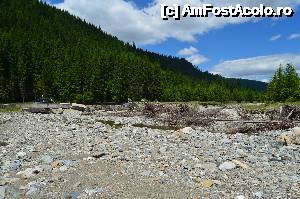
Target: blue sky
<point>250,48</point>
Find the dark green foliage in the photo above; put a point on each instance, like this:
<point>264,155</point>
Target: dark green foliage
<point>285,85</point>
<point>47,52</point>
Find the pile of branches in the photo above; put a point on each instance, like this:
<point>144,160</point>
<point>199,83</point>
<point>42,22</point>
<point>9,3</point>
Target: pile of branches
<point>174,114</point>
<point>152,109</point>
<point>290,112</point>
<point>261,127</point>
<point>273,126</point>
<point>184,115</point>
<point>286,112</point>
<point>280,119</point>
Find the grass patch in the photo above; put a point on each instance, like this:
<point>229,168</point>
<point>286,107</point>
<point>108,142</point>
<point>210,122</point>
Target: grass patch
<point>262,107</point>
<point>255,108</point>
<point>111,123</point>
<point>12,109</point>
<point>165,128</point>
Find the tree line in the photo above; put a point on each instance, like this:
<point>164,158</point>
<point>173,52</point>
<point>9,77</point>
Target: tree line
<point>48,52</point>
<point>284,85</point>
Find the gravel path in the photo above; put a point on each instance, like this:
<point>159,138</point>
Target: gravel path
<point>71,155</point>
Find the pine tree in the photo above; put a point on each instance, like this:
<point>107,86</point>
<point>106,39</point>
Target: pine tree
<point>291,82</point>
<point>284,84</point>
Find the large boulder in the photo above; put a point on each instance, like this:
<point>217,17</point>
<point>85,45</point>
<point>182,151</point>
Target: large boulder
<point>291,137</point>
<point>184,133</point>
<point>65,105</point>
<point>30,172</point>
<point>78,107</point>
<point>58,111</point>
<point>186,130</point>
<point>227,166</point>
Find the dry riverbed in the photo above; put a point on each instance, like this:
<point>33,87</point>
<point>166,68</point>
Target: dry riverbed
<point>149,152</point>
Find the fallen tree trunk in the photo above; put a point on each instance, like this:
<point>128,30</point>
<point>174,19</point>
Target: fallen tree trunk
<point>251,121</point>
<point>38,110</point>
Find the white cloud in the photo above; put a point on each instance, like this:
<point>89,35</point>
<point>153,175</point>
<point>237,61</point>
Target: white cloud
<point>192,55</point>
<point>197,59</point>
<point>294,36</point>
<point>275,37</point>
<point>257,68</point>
<point>144,26</point>
<point>188,51</point>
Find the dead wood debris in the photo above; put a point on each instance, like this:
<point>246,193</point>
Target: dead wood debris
<point>254,128</point>
<point>185,115</point>
<point>152,110</point>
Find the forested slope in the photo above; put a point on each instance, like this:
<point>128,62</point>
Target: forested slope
<point>46,51</point>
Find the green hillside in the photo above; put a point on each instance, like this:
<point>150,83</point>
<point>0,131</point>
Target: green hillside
<point>46,51</point>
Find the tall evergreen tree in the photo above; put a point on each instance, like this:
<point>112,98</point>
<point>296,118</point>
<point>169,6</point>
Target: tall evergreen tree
<point>284,85</point>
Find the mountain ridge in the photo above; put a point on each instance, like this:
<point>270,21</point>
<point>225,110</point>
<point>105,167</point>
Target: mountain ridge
<point>49,52</point>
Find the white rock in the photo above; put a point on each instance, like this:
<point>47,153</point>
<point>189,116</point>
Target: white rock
<point>240,164</point>
<point>231,113</point>
<point>65,105</point>
<point>291,137</point>
<point>225,141</point>
<point>95,191</point>
<point>29,172</point>
<point>63,168</point>
<point>146,173</point>
<point>33,190</point>
<point>187,130</point>
<point>47,159</point>
<point>240,197</point>
<point>227,166</point>
<point>58,111</point>
<point>78,107</point>
<point>259,194</point>
<point>21,155</point>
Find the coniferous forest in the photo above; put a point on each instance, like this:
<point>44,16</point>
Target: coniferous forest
<point>285,85</point>
<point>48,52</point>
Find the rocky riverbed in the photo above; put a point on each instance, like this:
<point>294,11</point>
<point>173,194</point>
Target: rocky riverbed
<point>108,154</point>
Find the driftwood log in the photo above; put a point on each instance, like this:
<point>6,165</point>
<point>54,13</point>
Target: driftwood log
<point>38,110</point>
<point>252,121</point>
